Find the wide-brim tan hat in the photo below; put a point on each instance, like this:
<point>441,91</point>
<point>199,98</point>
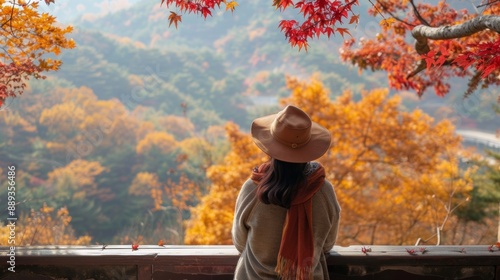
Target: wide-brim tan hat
<point>290,136</point>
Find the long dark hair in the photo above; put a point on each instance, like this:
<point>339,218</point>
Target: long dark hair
<point>280,183</point>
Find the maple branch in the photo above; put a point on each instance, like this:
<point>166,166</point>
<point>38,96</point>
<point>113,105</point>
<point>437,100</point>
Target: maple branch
<point>487,4</point>
<point>10,18</point>
<point>473,83</point>
<point>422,65</point>
<point>390,13</point>
<point>421,32</point>
<point>418,15</point>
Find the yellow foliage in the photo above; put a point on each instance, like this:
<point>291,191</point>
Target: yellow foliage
<point>199,152</point>
<point>26,34</point>
<point>212,217</point>
<point>180,127</point>
<point>13,119</point>
<point>144,129</point>
<point>83,123</point>
<point>44,227</point>
<point>183,194</point>
<point>79,175</point>
<point>156,195</point>
<point>145,184</point>
<point>162,141</point>
<point>395,173</point>
<point>15,127</point>
<point>61,119</point>
<point>214,133</point>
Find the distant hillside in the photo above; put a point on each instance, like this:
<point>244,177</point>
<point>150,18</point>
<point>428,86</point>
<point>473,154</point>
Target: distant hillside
<point>155,78</point>
<point>248,40</point>
<point>227,60</point>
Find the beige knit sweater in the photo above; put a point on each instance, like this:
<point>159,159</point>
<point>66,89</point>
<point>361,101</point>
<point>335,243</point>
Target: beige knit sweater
<point>257,229</point>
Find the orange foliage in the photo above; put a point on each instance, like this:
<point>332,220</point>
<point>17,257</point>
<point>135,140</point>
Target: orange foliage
<point>395,173</point>
<point>392,52</point>
<point>180,127</point>
<point>44,227</point>
<point>83,124</point>
<point>15,128</point>
<point>199,152</point>
<point>26,37</point>
<point>160,141</point>
<point>212,217</point>
<point>215,132</point>
<point>142,183</point>
<point>183,194</point>
<point>146,183</point>
<point>77,179</point>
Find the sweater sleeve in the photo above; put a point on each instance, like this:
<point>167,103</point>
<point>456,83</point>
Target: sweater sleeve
<point>243,208</point>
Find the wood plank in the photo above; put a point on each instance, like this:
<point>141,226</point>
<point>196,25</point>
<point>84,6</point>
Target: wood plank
<point>219,261</point>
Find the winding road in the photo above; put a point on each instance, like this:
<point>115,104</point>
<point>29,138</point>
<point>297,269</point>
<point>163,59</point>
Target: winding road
<point>480,139</point>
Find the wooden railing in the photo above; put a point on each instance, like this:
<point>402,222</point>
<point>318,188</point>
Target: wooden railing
<point>218,262</point>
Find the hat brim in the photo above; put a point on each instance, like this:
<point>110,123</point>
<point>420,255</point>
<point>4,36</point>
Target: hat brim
<point>317,146</point>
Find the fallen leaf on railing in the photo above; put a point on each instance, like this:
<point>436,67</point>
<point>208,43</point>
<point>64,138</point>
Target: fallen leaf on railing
<point>410,251</point>
<point>366,250</point>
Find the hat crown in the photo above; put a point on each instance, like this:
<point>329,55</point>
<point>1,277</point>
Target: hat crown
<point>291,136</point>
<point>292,127</point>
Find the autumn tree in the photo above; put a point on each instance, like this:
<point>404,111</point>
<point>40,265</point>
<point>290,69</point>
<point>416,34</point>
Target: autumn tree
<point>27,37</point>
<point>396,173</point>
<point>211,219</point>
<point>403,164</point>
<point>82,125</point>
<point>420,45</point>
<point>146,184</point>
<point>45,227</point>
<point>446,42</point>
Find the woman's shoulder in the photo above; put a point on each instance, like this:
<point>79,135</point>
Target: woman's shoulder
<point>248,187</point>
<point>327,188</point>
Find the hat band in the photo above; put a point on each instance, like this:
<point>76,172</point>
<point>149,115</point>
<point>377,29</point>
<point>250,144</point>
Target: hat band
<point>286,143</point>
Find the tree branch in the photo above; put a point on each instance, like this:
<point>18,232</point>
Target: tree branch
<point>487,4</point>
<point>418,15</point>
<point>421,32</point>
<point>386,10</point>
<point>422,65</point>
